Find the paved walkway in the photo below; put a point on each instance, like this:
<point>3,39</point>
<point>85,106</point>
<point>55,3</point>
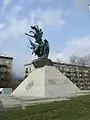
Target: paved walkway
<point>11,102</point>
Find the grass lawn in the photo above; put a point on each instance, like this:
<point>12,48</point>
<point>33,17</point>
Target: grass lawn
<point>75,109</point>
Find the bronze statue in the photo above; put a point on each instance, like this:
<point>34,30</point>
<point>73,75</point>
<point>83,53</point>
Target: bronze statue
<point>40,47</point>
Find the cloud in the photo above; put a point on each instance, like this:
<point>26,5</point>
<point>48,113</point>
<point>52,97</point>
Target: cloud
<point>2,25</point>
<point>53,17</point>
<point>3,36</point>
<point>6,3</point>
<point>82,4</point>
<point>15,28</point>
<point>48,17</point>
<point>80,43</point>
<point>15,10</point>
<point>59,57</point>
<point>77,46</point>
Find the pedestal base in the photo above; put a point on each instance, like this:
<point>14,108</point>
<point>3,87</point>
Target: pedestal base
<point>41,62</point>
<point>45,82</point>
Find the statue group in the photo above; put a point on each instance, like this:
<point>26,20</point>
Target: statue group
<point>40,47</point>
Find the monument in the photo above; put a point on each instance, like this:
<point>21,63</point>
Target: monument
<point>45,81</point>
<point>40,48</point>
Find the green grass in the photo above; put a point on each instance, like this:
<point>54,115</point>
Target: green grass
<point>75,109</point>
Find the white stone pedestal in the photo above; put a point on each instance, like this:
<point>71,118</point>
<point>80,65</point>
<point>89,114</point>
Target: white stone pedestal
<point>45,82</point>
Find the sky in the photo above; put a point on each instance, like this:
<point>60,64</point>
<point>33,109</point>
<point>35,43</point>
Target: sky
<point>65,23</point>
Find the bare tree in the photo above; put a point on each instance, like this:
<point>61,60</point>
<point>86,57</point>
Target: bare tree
<point>73,60</point>
<point>88,60</point>
<point>82,61</point>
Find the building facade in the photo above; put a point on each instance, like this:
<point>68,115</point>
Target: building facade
<point>5,71</point>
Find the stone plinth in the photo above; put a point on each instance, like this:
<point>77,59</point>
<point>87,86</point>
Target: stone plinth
<point>45,82</point>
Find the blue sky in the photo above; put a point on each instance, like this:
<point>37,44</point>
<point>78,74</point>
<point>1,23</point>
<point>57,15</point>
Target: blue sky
<point>66,25</point>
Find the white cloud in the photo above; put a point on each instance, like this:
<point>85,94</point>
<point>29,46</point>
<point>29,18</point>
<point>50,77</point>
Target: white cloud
<point>6,3</point>
<point>2,25</point>
<point>77,46</point>
<point>59,57</point>
<point>54,17</point>
<point>15,10</point>
<point>3,36</point>
<point>17,28</point>
<point>82,4</point>
<point>48,17</point>
<point>80,43</point>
